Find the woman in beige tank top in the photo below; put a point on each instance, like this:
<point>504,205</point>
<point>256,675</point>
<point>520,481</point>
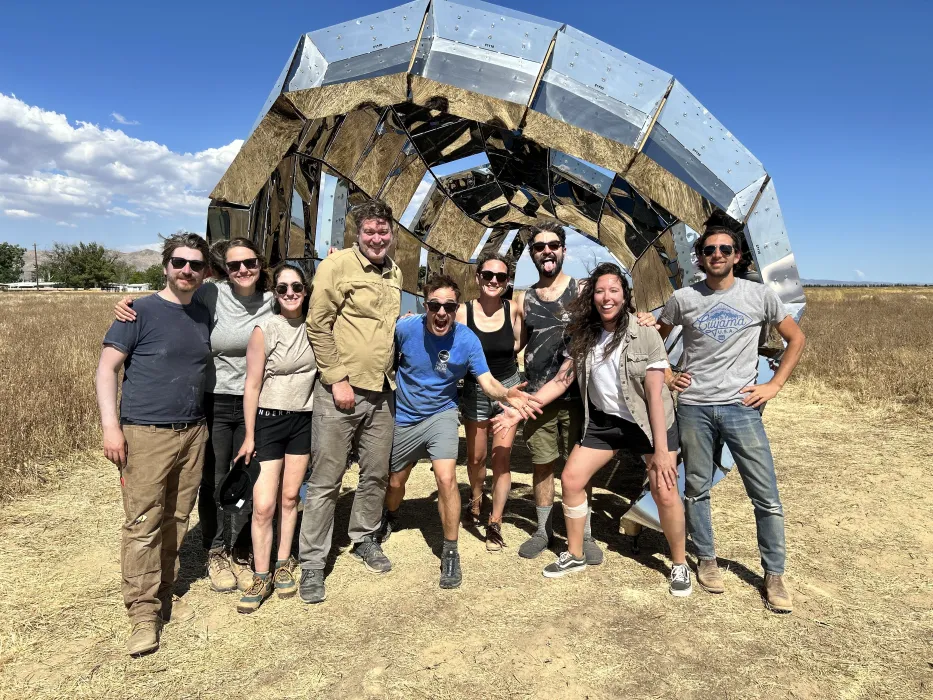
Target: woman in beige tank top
<point>280,374</point>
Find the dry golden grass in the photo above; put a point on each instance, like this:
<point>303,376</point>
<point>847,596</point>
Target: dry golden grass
<point>856,485</point>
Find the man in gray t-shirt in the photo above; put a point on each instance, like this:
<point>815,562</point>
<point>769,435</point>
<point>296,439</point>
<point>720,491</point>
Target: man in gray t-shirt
<point>722,319</point>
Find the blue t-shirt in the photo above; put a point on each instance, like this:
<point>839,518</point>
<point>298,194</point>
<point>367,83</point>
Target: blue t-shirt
<point>167,350</point>
<point>425,383</point>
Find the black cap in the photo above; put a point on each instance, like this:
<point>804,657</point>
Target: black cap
<point>236,490</point>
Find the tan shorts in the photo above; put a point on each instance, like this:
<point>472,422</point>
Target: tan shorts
<point>560,423</point>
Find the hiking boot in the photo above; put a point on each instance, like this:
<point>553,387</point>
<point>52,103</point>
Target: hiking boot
<point>534,545</point>
<point>258,591</point>
<point>681,585</point>
<point>242,567</point>
<point>369,551</point>
<point>387,525</point>
<point>451,576</point>
<point>175,609</point>
<point>283,580</point>
<point>566,564</point>
<point>709,577</point>
<point>222,578</point>
<point>592,552</point>
<point>144,638</point>
<point>311,588</point>
<point>494,541</point>
<point>777,597</point>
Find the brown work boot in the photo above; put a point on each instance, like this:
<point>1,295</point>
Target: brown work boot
<point>219,572</point>
<point>259,590</point>
<point>242,568</point>
<point>709,576</point>
<point>144,638</point>
<point>777,597</point>
<point>175,609</point>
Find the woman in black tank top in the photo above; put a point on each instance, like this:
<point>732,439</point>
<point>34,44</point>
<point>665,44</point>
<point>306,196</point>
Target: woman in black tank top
<point>497,324</point>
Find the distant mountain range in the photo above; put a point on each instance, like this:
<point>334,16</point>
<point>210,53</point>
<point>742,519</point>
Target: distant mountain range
<point>138,259</point>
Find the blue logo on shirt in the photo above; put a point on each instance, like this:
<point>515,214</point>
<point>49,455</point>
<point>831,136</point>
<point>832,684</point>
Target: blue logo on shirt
<point>722,322</point>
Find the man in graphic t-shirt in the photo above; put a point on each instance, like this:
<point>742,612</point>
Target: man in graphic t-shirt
<point>158,439</point>
<point>434,353</point>
<point>722,319</point>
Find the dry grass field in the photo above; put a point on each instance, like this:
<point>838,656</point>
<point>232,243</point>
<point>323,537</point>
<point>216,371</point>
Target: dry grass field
<point>851,441</point>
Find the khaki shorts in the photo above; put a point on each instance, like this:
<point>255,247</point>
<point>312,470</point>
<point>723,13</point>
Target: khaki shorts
<point>561,422</point>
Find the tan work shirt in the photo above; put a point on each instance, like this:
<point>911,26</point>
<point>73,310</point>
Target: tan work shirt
<point>640,347</point>
<point>351,319</point>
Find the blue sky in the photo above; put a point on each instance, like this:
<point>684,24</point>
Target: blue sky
<point>833,97</point>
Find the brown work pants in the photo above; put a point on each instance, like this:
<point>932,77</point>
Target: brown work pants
<point>160,484</point>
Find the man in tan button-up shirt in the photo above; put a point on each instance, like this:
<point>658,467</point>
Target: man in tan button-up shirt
<point>355,301</point>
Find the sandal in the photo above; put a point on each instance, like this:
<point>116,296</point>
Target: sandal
<point>494,541</point>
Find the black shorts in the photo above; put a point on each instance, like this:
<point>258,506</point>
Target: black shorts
<point>608,432</point>
<point>280,433</point>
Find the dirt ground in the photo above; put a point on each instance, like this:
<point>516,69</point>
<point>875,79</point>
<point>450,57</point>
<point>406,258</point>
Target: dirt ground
<point>858,493</point>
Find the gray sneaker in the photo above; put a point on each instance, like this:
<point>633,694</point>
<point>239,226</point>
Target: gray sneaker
<point>451,576</point>
<point>592,552</point>
<point>311,588</point>
<point>681,586</point>
<point>566,564</point>
<point>534,545</point>
<point>369,551</point>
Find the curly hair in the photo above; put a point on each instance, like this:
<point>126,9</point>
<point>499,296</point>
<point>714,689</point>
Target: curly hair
<point>371,209</point>
<point>585,325</point>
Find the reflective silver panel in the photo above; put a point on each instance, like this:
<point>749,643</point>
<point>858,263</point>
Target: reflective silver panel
<point>770,247</point>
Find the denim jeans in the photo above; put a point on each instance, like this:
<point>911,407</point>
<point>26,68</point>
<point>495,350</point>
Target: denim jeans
<point>702,428</point>
<point>225,424</point>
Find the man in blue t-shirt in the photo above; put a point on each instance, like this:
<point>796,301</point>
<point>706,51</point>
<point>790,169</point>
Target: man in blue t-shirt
<point>434,353</point>
<point>158,439</point>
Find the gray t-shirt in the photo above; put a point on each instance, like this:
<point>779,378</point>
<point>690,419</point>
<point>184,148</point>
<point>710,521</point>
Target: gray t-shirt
<point>232,320</point>
<point>288,380</point>
<point>720,335</point>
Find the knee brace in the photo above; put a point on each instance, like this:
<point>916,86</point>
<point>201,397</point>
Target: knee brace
<point>579,511</point>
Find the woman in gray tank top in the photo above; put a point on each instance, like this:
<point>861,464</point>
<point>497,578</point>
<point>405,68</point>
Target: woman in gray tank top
<point>237,301</point>
<point>277,403</point>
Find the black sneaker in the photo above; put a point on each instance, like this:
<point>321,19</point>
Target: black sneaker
<point>451,576</point>
<point>592,552</point>
<point>311,588</point>
<point>370,553</point>
<point>681,586</point>
<point>387,525</point>
<point>534,545</point>
<point>566,564</point>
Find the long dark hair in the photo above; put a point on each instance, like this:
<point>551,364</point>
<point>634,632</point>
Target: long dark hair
<point>278,270</point>
<point>219,261</point>
<point>585,324</point>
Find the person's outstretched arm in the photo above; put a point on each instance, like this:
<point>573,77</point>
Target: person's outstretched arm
<point>255,370</point>
<point>547,394</point>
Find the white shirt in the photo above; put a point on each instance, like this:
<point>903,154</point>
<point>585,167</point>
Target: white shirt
<point>605,388</point>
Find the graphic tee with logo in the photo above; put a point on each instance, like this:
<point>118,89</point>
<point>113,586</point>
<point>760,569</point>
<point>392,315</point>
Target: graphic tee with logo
<point>430,366</point>
<point>721,330</point>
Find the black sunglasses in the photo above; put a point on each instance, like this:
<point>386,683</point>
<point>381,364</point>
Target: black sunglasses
<point>501,277</point>
<point>550,245</point>
<point>282,289</point>
<point>724,249</point>
<point>249,264</point>
<point>434,306</point>
<point>179,264</point>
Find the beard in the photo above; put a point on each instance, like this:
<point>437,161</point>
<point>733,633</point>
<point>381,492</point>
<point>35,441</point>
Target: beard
<point>541,263</point>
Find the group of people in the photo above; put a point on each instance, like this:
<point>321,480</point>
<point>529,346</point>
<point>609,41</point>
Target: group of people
<point>262,366</point>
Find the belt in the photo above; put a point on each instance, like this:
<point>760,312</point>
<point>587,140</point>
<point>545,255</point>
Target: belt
<point>273,412</point>
<point>177,427</point>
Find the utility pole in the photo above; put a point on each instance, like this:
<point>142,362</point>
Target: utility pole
<point>35,252</point>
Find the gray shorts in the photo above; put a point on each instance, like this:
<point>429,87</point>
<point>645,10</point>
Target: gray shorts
<point>476,406</point>
<point>435,438</point>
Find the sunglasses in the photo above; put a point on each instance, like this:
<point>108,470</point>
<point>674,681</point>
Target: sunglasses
<point>724,249</point>
<point>434,306</point>
<point>249,264</point>
<point>550,245</point>
<point>501,277</point>
<point>282,289</point>
<point>179,264</point>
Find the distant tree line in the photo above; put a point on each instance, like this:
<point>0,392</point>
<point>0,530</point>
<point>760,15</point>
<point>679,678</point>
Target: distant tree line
<point>81,265</point>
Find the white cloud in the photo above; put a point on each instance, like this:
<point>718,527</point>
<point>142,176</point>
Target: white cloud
<point>860,274</point>
<point>120,211</point>
<point>120,119</point>
<point>66,224</point>
<point>20,213</point>
<point>64,170</point>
